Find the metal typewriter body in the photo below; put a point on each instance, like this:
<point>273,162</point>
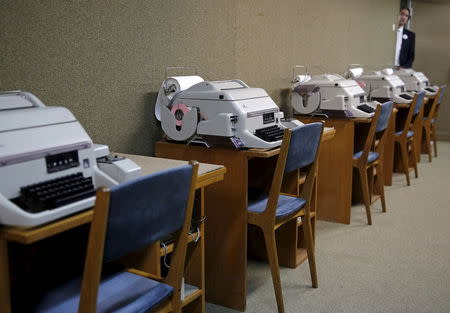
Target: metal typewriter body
<point>335,96</point>
<point>381,85</point>
<point>416,81</point>
<point>48,163</point>
<point>225,109</point>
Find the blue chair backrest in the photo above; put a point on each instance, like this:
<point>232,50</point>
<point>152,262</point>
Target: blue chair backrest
<point>385,114</point>
<point>303,146</point>
<point>419,102</point>
<point>146,209</point>
<point>441,96</point>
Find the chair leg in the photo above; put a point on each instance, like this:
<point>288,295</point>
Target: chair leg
<point>380,183</point>
<point>271,247</point>
<point>309,241</point>
<point>428,140</point>
<point>365,190</point>
<point>404,152</point>
<point>414,159</point>
<point>433,136</point>
<point>176,302</point>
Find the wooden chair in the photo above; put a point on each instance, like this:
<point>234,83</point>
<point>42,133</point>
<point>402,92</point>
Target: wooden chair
<point>127,218</point>
<point>405,137</point>
<point>429,123</point>
<point>299,150</point>
<point>367,159</point>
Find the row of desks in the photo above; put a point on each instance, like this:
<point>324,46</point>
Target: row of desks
<point>225,202</point>
<point>335,183</point>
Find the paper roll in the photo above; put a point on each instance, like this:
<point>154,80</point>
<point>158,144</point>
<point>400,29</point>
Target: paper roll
<point>170,87</point>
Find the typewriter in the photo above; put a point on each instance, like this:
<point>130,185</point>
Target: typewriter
<point>219,112</point>
<point>416,81</point>
<point>384,86</point>
<point>330,94</point>
<point>48,163</point>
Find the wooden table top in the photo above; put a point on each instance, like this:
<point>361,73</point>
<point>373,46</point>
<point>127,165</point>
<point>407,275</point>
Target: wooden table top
<point>208,174</point>
<point>328,133</point>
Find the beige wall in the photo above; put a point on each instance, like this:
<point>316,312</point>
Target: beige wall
<point>271,38</point>
<point>105,60</point>
<point>432,26</point>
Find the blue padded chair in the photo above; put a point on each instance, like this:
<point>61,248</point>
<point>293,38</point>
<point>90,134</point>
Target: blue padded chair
<point>405,137</point>
<point>429,123</point>
<point>368,159</point>
<point>299,150</point>
<point>129,217</point>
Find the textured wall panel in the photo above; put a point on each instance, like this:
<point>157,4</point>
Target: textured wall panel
<point>432,27</point>
<point>105,60</point>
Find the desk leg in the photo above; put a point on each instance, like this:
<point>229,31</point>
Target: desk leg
<point>195,258</point>
<point>335,174</point>
<point>5,296</point>
<point>335,170</point>
<point>226,235</point>
<point>225,225</point>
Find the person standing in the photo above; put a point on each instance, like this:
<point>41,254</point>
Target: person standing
<point>406,40</point>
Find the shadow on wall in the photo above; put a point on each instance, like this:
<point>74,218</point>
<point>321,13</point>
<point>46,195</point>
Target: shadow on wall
<point>285,102</point>
<point>143,140</point>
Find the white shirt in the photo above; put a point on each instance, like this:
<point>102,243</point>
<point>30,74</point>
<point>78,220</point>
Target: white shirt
<point>398,46</point>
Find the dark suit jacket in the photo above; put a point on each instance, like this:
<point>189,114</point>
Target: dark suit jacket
<point>406,57</point>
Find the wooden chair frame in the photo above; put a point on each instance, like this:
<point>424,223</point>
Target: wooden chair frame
<point>429,127</point>
<point>94,257</point>
<point>408,145</point>
<point>362,165</point>
<point>268,222</point>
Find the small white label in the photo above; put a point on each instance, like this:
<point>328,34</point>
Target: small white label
<point>182,288</point>
<point>405,36</point>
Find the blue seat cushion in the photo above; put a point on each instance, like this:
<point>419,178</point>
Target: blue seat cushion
<point>119,292</point>
<point>286,205</point>
<point>408,135</point>
<point>372,156</point>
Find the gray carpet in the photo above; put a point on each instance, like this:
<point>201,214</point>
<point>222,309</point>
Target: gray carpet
<point>399,264</point>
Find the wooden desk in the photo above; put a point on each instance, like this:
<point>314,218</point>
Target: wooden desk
<point>208,174</point>
<point>226,215</point>
<point>335,168</point>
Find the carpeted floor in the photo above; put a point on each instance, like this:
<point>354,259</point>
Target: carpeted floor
<point>399,264</point>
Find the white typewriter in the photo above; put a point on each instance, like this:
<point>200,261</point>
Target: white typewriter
<point>416,81</point>
<point>219,112</point>
<point>48,163</point>
<point>330,94</point>
<point>384,86</point>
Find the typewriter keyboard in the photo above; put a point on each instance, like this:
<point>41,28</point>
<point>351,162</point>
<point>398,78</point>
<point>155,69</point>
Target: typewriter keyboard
<point>271,133</point>
<point>366,108</point>
<point>406,96</point>
<point>55,193</point>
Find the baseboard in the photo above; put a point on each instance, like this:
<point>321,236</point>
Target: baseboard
<point>443,136</point>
